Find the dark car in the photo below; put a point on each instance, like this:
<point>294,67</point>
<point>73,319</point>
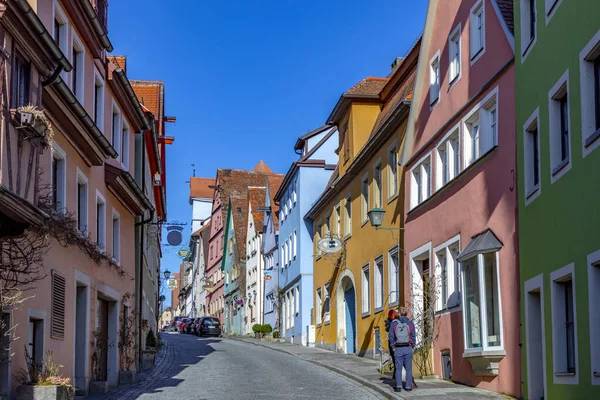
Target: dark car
<point>196,326</point>
<point>176,322</point>
<point>189,325</point>
<point>209,326</point>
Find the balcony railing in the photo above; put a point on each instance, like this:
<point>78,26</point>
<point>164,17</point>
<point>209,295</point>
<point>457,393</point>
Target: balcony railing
<point>101,7</point>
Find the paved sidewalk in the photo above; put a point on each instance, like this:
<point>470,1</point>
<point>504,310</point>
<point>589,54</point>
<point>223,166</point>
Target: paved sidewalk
<point>365,371</point>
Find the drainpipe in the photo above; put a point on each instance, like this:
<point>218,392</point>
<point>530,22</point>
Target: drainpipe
<point>141,266</point>
<point>127,85</point>
<point>93,17</point>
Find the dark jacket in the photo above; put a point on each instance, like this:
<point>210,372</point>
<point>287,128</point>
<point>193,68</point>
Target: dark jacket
<point>392,335</point>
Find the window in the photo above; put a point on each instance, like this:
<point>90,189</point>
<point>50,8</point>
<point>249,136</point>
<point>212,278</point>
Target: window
<point>560,138</point>
<point>364,198</point>
<point>532,157</point>
<point>477,31</point>
<point>448,159</point>
<point>116,128</point>
<point>116,236</point>
<point>564,325</point>
<point>366,308</point>
<point>551,6</point>
<point>82,202</point>
<point>78,72</point>
<point>434,79</point>
<point>348,216</point>
<point>282,256</point>
<point>441,279</point>
<point>482,303</point>
<point>58,178</point>
<point>297,298</point>
<point>21,81</point>
<point>421,181</point>
<point>446,274</point>
<point>338,220</point>
<point>589,63</point>
<point>294,245</point>
<point>58,306</point>
<point>318,307</point>
<point>326,304</point>
<point>377,188</point>
<point>593,261</point>
<point>345,134</point>
<point>35,339</point>
<point>294,195</point>
<point>393,275</point>
<point>100,222</point>
<point>98,101</point>
<point>378,284</point>
<point>528,26</point>
<point>60,33</point>
<point>454,49</point>
<point>327,225</point>
<point>481,129</point>
<point>393,171</point>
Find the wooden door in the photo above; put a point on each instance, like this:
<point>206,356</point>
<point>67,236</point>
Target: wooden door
<point>102,339</point>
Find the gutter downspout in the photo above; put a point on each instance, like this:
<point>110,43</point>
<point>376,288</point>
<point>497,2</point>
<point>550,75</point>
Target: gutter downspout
<point>141,283</point>
<point>138,108</point>
<point>93,16</point>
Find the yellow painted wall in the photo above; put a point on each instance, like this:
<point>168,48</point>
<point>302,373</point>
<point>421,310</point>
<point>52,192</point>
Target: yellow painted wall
<point>363,246</point>
<point>361,118</point>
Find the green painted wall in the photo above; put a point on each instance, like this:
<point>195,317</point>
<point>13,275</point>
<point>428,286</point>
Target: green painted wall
<point>562,225</point>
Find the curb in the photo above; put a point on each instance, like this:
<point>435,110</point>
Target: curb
<point>338,371</point>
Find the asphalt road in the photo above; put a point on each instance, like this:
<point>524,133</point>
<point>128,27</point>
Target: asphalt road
<point>214,368</point>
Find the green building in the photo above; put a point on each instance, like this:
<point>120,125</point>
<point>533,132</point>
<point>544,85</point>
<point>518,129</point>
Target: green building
<point>558,140</point>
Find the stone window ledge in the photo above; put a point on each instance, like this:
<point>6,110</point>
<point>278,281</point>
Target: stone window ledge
<point>485,362</point>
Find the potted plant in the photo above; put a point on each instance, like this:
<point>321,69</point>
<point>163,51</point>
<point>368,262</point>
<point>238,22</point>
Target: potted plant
<point>149,354</point>
<point>98,383</point>
<point>257,328</point>
<point>266,330</point>
<point>33,125</point>
<point>42,380</point>
<point>127,343</point>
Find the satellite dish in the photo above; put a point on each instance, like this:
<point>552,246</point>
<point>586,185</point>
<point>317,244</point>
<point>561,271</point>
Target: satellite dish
<point>330,245</point>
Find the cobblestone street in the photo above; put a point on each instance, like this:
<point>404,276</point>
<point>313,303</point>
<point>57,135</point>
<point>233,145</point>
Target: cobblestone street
<point>222,368</point>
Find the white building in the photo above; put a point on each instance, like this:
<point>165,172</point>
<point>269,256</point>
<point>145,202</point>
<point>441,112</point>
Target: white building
<point>201,199</point>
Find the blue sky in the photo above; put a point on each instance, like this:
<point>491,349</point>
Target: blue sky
<point>246,78</point>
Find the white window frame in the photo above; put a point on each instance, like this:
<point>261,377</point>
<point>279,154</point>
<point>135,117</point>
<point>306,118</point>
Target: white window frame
<point>297,300</point>
<point>378,284</point>
<point>348,216</point>
<point>59,14</point>
<point>453,275</point>
<point>479,116</point>
<point>115,132</point>
<point>101,241</point>
<point>550,7</point>
<point>364,198</point>
<point>99,82</point>
<point>81,178</point>
<point>318,306</point>
<point>559,167</point>
<point>326,295</point>
<point>393,273</point>
<point>590,138</point>
<point>337,212</point>
<point>317,238</point>
<point>294,193</point>
<point>78,45</point>
<point>435,80</point>
<point>365,290</point>
<point>378,195</point>
<point>454,39</point>
<point>483,306</point>
<point>417,173</point>
<point>448,150</point>
<point>557,348</point>
<point>60,154</point>
<point>475,54</point>
<point>393,182</point>
<point>294,244</point>
<point>532,191</point>
<point>527,43</point>
<point>530,286</point>
<point>593,261</point>
<point>125,141</point>
<point>115,216</point>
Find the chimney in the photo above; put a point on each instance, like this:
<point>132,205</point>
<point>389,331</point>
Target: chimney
<point>396,63</point>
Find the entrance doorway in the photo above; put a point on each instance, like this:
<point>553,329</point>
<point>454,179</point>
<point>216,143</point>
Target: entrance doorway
<point>346,314</point>
<point>81,339</point>
<point>535,341</point>
<point>102,340</point>
<point>350,309</point>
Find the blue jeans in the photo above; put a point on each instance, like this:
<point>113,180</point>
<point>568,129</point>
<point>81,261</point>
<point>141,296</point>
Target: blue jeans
<point>403,358</point>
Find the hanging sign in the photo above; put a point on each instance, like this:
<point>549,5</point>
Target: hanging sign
<point>171,284</point>
<point>267,275</point>
<point>183,253</point>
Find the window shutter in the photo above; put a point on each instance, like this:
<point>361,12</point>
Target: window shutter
<point>58,306</point>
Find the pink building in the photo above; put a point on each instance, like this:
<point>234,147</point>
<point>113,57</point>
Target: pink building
<point>460,240</point>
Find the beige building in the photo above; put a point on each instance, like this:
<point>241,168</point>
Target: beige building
<point>166,317</point>
<point>84,197</point>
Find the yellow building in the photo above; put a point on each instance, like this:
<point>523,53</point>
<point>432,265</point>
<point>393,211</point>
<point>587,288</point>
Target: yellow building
<point>354,288</point>
<point>166,317</point>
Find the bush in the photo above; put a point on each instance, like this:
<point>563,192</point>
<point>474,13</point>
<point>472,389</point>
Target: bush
<point>256,328</point>
<point>150,339</point>
<point>267,328</point>
<point>275,334</point>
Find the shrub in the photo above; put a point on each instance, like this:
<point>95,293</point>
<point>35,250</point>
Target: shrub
<point>150,339</point>
<point>267,328</point>
<point>256,328</point>
<point>275,334</point>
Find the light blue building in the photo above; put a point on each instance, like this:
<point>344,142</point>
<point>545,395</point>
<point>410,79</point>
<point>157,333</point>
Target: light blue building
<point>270,253</point>
<point>302,185</point>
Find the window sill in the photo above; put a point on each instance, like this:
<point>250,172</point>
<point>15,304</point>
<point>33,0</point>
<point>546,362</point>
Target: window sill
<point>565,374</point>
<point>592,138</point>
<point>527,49</point>
<point>364,222</point>
<point>394,197</point>
<point>435,102</point>
<point>596,374</point>
<point>485,362</point>
<point>327,323</point>
<point>378,310</point>
<point>348,236</point>
<point>366,314</point>
<point>453,82</point>
<point>475,56</point>
<point>533,192</point>
<point>560,167</point>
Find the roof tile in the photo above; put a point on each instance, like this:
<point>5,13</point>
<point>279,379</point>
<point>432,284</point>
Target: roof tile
<point>506,8</point>
<point>370,86</point>
<point>199,188</point>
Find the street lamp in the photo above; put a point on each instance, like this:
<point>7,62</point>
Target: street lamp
<point>167,274</point>
<point>376,217</point>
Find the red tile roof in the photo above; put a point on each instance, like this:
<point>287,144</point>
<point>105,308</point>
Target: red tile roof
<point>370,86</point>
<point>262,167</point>
<point>404,92</point>
<point>199,188</point>
<point>149,94</point>
<point>256,198</point>
<point>506,8</point>
<point>275,182</point>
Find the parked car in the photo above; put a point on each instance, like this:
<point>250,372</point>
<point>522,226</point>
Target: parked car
<point>196,326</point>
<point>165,328</point>
<point>181,324</point>
<point>210,326</point>
<point>187,327</point>
<point>175,323</point>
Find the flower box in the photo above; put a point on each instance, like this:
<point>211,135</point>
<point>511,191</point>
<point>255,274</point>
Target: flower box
<point>39,392</point>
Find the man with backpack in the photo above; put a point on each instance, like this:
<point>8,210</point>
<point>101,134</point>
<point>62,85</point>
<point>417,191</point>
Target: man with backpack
<point>392,316</point>
<point>402,340</point>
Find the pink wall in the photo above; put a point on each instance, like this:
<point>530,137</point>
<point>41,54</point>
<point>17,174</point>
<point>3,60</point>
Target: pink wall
<point>216,243</point>
<point>482,197</point>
